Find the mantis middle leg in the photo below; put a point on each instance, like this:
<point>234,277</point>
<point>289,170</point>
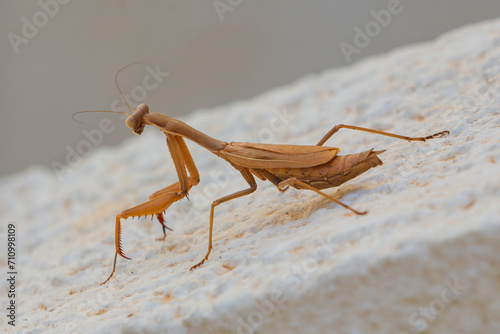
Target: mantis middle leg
<point>253,186</point>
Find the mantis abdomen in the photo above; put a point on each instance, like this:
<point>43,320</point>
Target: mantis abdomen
<point>333,173</point>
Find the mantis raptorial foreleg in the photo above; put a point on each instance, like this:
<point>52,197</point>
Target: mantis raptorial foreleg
<point>154,206</point>
<point>183,160</point>
<point>160,200</point>
<point>352,127</point>
<point>253,186</point>
<point>171,188</point>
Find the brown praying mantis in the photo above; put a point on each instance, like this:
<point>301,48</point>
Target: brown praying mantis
<point>299,166</point>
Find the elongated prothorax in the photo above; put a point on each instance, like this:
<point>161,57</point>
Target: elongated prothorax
<point>173,126</point>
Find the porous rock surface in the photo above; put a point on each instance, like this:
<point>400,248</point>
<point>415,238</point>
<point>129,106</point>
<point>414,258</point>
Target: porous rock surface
<point>426,258</point>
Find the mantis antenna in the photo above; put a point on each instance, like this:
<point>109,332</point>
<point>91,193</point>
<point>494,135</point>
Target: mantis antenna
<point>116,82</point>
<point>117,86</point>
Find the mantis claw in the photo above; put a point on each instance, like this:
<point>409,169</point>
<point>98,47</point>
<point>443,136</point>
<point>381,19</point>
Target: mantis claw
<point>165,227</point>
<point>120,252</point>
<point>197,265</point>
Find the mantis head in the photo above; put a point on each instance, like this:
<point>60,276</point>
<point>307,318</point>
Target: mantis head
<point>137,120</point>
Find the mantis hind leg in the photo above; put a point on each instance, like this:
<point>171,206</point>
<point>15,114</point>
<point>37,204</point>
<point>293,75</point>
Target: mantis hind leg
<point>296,182</point>
<point>352,127</point>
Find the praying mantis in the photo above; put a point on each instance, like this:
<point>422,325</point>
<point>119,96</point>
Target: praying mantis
<point>308,167</point>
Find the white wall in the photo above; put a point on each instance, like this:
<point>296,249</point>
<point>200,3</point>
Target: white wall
<point>69,63</point>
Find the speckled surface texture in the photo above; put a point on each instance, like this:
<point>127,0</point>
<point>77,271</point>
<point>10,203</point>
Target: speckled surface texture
<point>425,259</point>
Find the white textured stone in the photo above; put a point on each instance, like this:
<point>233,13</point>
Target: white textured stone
<point>288,262</point>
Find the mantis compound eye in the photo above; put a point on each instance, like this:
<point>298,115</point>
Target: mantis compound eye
<point>130,122</point>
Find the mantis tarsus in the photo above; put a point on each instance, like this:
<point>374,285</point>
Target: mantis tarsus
<point>298,166</point>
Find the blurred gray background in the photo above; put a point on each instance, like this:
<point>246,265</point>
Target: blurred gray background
<point>60,56</point>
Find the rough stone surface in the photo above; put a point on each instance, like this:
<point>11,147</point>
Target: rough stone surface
<point>425,258</point>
